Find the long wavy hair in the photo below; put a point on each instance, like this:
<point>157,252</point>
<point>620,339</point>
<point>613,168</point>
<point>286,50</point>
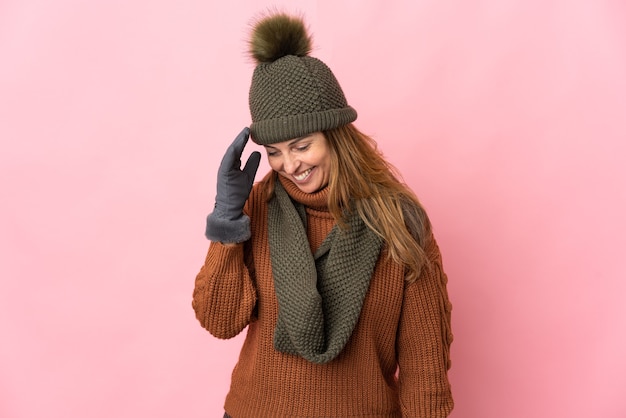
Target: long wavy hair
<point>362,181</point>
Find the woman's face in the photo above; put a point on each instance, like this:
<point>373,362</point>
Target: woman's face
<point>305,161</point>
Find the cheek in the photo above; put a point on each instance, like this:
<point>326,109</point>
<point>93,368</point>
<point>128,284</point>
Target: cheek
<point>325,162</point>
<point>274,163</point>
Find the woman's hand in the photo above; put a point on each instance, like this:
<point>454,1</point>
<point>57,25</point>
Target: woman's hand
<point>227,223</point>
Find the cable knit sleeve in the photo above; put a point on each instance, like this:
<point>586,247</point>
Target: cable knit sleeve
<point>224,296</point>
<point>424,339</point>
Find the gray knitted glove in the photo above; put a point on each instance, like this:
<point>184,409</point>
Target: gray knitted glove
<point>228,223</point>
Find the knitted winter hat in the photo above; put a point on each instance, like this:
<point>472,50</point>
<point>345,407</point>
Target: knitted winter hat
<point>292,94</point>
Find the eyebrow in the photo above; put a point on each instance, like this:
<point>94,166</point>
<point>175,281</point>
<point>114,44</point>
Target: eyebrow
<point>295,141</point>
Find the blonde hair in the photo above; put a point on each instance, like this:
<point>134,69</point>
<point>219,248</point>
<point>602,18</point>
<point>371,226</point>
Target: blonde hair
<point>362,181</point>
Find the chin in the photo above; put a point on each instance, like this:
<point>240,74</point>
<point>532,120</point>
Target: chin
<point>309,188</point>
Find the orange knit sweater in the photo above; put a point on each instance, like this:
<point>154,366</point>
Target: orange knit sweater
<point>394,365</point>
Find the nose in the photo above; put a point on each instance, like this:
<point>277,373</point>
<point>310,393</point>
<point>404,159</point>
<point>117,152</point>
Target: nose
<point>290,164</point>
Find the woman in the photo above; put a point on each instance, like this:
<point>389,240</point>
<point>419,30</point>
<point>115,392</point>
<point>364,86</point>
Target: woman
<point>329,260</point>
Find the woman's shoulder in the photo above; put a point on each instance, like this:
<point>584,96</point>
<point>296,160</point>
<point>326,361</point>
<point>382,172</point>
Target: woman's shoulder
<point>416,219</point>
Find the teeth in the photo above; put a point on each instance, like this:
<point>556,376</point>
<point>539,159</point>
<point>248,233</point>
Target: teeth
<point>302,176</point>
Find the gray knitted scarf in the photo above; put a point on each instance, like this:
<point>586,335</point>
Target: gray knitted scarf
<point>320,295</point>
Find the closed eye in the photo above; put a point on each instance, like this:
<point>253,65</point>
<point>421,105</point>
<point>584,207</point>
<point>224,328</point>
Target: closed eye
<point>272,152</point>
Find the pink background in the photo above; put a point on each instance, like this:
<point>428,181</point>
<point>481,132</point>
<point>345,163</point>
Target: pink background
<point>508,118</point>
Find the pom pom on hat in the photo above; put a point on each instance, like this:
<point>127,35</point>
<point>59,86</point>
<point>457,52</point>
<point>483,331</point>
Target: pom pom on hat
<point>292,94</point>
<point>277,36</point>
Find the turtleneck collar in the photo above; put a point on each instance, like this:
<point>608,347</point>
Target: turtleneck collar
<point>317,200</point>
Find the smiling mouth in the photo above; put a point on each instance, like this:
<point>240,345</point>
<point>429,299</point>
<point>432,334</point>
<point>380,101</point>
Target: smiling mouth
<point>303,175</point>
